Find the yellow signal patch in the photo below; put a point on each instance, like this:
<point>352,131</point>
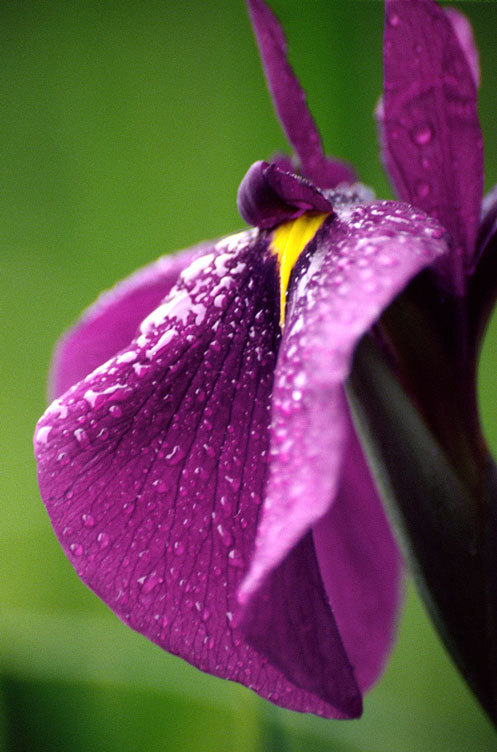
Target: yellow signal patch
<point>288,242</point>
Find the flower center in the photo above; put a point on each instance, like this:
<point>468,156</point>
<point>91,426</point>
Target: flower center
<point>288,242</point>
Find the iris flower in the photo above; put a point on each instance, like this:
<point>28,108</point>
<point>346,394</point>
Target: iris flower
<point>199,465</point>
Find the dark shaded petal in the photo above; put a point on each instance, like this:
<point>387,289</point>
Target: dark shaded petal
<point>153,468</point>
<point>432,132</point>
<point>108,325</point>
<point>268,196</point>
<point>318,665</point>
<point>290,102</point>
<point>352,269</point>
<point>465,37</point>
<point>488,224</point>
<point>361,567</point>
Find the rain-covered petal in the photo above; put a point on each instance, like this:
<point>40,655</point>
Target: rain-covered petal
<point>353,268</point>
<point>290,102</point>
<point>111,322</point>
<point>361,567</point>
<point>269,195</point>
<point>153,468</point>
<point>431,128</point>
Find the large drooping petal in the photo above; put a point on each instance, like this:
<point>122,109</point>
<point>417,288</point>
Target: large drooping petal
<point>111,322</point>
<point>431,130</point>
<point>361,567</point>
<point>353,268</point>
<point>153,468</point>
<point>290,102</point>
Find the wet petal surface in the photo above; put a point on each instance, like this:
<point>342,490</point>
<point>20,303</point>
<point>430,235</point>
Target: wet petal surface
<point>111,322</point>
<point>353,268</point>
<point>153,470</point>
<point>432,133</point>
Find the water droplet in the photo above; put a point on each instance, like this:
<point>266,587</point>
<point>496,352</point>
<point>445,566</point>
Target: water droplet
<point>422,134</point>
<point>88,520</point>
<point>393,19</point>
<point>423,189</point>
<point>179,548</point>
<point>103,540</point>
<point>76,549</point>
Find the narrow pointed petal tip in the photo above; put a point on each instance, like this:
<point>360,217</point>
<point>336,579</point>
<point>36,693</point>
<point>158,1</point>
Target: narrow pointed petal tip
<point>268,196</point>
<point>152,469</point>
<point>431,128</point>
<point>290,102</point>
<point>355,266</point>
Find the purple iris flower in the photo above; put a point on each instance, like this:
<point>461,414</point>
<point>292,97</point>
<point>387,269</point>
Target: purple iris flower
<point>199,464</point>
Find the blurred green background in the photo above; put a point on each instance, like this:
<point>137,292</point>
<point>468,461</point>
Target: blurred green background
<point>125,130</point>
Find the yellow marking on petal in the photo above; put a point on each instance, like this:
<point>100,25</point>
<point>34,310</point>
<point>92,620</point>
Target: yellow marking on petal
<point>288,242</point>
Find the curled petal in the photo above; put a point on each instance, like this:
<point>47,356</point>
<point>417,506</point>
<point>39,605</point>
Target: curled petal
<point>361,567</point>
<point>353,268</point>
<point>290,102</point>
<point>153,467</point>
<point>111,322</point>
<point>269,195</point>
<point>431,128</point>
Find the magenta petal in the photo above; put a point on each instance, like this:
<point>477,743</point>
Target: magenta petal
<point>432,132</point>
<point>111,322</point>
<point>290,102</point>
<point>269,195</point>
<point>290,621</point>
<point>352,270</point>
<point>153,468</point>
<point>361,567</point>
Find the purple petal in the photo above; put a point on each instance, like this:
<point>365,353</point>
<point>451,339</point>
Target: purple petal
<point>354,267</point>
<point>361,567</point>
<point>153,467</point>
<point>268,196</point>
<point>432,132</point>
<point>464,32</point>
<point>290,101</point>
<point>292,612</point>
<point>108,325</point>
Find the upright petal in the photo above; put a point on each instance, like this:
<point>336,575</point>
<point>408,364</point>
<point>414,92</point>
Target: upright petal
<point>352,269</point>
<point>432,132</point>
<point>361,567</point>
<point>290,101</point>
<point>111,322</point>
<point>153,467</point>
